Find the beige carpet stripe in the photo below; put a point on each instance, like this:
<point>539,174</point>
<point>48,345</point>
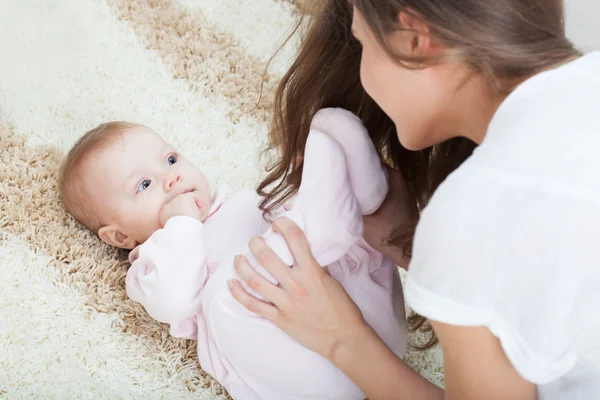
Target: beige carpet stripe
<point>303,6</point>
<point>259,26</point>
<point>30,209</point>
<point>211,61</point>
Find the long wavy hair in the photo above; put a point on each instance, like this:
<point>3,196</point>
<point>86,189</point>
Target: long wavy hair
<point>502,40</point>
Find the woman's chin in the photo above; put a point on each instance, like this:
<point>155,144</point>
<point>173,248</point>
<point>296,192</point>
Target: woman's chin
<point>416,142</point>
<point>412,144</point>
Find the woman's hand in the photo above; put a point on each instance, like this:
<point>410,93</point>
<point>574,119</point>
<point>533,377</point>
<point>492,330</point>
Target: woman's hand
<point>308,304</point>
<point>314,310</point>
<point>399,209</point>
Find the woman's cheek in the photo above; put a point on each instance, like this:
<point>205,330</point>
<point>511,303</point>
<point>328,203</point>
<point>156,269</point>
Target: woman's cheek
<point>377,86</point>
<point>366,77</point>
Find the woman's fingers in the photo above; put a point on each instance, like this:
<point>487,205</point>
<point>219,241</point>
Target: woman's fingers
<point>270,261</point>
<point>296,241</point>
<point>257,282</point>
<point>311,307</point>
<point>253,304</point>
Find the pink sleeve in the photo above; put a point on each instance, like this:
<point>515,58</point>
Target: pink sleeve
<point>367,174</point>
<point>342,180</point>
<point>168,273</point>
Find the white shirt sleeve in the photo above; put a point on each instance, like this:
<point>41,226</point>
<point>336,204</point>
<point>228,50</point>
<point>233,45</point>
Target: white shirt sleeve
<point>514,258</point>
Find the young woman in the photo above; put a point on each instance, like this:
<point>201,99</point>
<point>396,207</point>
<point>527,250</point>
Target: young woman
<point>504,262</point>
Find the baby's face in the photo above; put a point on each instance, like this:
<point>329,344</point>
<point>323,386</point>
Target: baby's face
<point>135,176</point>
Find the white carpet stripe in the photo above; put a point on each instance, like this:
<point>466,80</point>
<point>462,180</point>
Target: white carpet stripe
<point>68,65</point>
<point>53,346</point>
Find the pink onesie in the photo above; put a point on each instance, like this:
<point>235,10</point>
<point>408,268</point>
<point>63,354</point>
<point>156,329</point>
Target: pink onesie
<point>180,274</point>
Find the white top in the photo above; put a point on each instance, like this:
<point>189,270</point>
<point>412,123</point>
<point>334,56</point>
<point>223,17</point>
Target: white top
<point>511,240</point>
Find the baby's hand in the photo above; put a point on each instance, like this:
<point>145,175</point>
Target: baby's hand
<point>184,204</point>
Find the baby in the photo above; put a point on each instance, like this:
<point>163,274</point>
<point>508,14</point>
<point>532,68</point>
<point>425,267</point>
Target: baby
<point>137,192</point>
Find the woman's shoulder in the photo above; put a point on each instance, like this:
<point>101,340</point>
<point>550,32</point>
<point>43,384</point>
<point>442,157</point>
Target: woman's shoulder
<point>515,256</point>
<point>557,85</point>
<point>559,105</point>
<point>545,136</point>
<point>480,211</point>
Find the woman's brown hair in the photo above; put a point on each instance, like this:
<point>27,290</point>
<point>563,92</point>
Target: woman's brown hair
<point>505,41</point>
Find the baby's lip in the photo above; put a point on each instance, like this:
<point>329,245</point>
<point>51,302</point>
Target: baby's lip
<point>176,193</point>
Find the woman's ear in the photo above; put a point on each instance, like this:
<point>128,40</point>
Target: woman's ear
<point>113,236</point>
<point>414,37</point>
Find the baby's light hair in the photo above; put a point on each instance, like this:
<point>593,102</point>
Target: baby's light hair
<point>73,191</point>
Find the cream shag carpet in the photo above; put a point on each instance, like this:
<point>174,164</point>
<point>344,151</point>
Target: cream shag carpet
<point>191,69</point>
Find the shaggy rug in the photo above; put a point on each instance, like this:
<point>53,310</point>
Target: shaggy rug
<point>190,69</point>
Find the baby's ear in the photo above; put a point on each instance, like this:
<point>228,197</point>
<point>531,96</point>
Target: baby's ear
<point>113,236</point>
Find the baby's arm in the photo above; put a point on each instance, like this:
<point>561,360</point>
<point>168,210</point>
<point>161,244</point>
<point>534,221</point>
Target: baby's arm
<point>168,273</point>
<point>367,174</point>
<point>342,180</point>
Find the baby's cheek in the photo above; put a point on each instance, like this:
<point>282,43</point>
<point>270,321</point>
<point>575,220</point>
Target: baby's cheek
<point>202,182</point>
<point>151,226</point>
<point>145,221</point>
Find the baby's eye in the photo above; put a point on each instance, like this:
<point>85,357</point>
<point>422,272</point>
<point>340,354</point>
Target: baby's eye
<point>171,160</point>
<point>144,185</point>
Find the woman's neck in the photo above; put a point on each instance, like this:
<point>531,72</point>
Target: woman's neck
<point>478,102</point>
<point>475,106</point>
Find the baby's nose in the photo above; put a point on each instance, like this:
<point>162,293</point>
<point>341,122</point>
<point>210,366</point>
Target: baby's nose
<point>171,180</point>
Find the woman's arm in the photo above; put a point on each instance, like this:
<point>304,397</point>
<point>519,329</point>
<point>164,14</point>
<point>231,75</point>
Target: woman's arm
<point>476,367</point>
<point>475,364</point>
<point>313,309</point>
<point>378,371</point>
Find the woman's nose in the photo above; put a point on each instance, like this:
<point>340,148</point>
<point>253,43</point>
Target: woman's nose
<point>171,180</point>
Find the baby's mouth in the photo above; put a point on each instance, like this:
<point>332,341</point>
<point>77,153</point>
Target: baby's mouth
<point>179,193</point>
<point>184,191</point>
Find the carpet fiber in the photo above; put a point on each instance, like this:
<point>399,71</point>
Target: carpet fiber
<point>192,70</point>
